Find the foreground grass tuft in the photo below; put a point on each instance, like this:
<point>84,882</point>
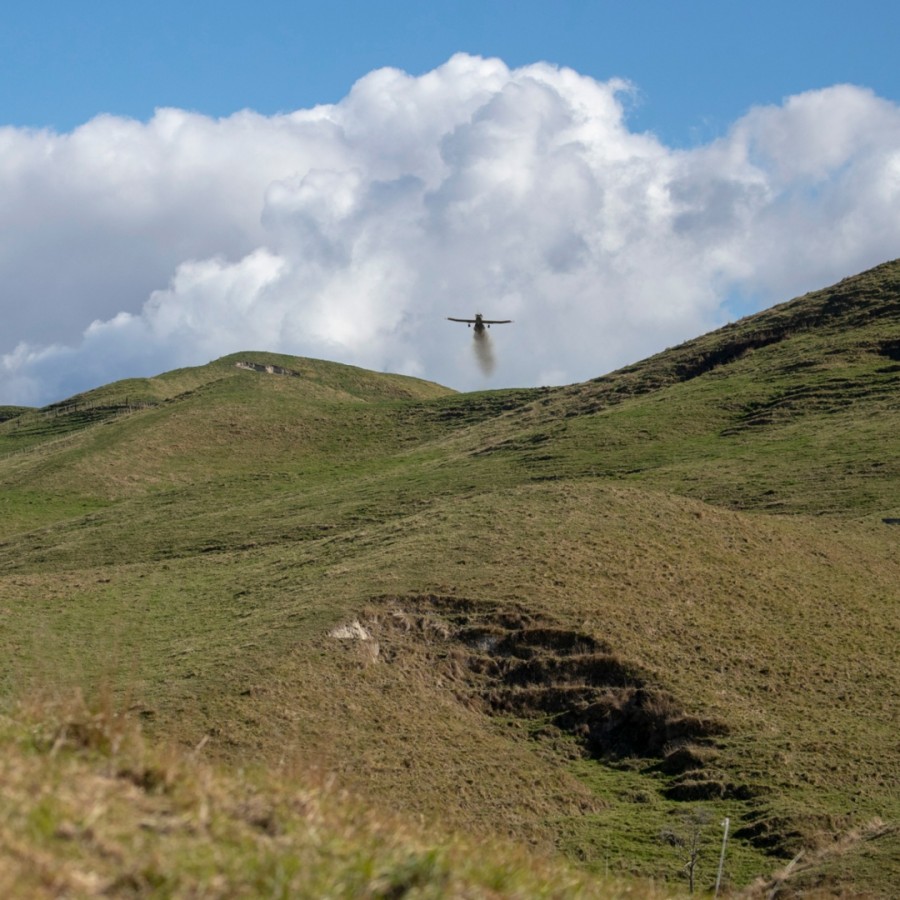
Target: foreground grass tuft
<point>90,808</point>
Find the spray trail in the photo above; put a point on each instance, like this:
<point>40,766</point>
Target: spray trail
<point>484,352</point>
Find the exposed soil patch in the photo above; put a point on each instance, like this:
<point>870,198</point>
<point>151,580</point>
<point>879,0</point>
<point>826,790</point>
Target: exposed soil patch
<point>267,368</point>
<point>890,349</point>
<point>514,662</point>
<point>729,350</point>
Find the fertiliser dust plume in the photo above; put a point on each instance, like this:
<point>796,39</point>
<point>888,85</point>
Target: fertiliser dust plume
<point>484,353</point>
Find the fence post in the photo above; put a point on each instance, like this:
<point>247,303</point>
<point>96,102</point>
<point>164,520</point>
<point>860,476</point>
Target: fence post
<point>725,822</point>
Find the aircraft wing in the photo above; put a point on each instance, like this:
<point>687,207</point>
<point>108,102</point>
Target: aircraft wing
<point>496,321</point>
<point>451,319</point>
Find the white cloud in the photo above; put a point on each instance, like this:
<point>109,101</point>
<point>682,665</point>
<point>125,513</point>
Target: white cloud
<point>351,231</point>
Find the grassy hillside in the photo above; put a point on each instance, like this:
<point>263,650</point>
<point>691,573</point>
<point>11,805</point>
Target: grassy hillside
<point>595,619</point>
<point>92,810</point>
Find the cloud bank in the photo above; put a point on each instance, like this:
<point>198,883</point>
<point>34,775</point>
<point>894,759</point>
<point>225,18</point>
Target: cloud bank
<point>350,231</point>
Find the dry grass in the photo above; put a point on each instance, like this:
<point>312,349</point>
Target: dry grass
<point>814,873</point>
<point>91,809</point>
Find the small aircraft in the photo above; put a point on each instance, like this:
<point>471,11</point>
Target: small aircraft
<point>480,322</point>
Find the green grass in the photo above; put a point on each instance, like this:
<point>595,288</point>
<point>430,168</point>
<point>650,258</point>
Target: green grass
<point>713,516</point>
<point>10,412</point>
<point>92,809</point>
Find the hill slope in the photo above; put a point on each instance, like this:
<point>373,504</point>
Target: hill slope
<point>597,618</point>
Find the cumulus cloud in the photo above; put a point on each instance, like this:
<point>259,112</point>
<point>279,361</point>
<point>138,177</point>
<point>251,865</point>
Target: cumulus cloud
<point>350,231</point>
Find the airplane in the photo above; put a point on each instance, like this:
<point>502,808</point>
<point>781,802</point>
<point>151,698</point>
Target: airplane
<point>480,322</point>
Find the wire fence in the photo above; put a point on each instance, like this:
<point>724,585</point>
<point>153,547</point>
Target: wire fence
<point>67,420</point>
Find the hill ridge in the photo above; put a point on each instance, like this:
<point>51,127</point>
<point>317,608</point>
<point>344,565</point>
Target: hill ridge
<point>862,299</point>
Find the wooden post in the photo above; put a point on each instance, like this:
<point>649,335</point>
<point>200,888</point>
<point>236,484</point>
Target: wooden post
<point>725,823</point>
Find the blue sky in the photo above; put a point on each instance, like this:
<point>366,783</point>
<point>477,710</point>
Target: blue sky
<point>676,164</point>
<point>698,64</point>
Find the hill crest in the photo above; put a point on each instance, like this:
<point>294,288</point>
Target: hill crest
<point>865,303</point>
